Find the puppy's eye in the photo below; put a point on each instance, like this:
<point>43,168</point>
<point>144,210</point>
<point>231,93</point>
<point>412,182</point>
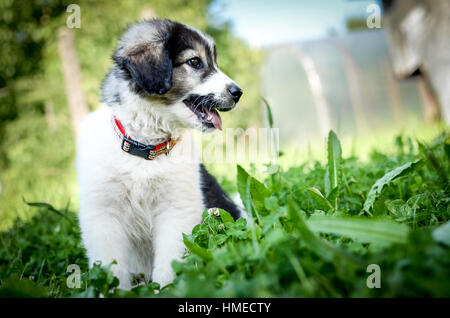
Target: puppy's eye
<point>194,62</point>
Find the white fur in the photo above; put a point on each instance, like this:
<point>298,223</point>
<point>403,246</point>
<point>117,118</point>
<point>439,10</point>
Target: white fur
<point>127,211</point>
<point>215,84</point>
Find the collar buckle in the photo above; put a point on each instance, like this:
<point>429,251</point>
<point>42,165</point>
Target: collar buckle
<point>136,148</point>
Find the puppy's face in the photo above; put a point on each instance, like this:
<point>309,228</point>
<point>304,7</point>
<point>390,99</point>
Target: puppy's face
<point>175,66</point>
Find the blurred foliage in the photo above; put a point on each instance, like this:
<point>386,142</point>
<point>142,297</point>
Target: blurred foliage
<point>357,23</point>
<point>23,35</point>
<point>37,148</point>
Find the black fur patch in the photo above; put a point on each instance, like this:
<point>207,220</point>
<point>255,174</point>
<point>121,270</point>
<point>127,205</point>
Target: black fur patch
<point>202,101</point>
<point>183,38</point>
<point>214,196</point>
<point>388,4</point>
<point>208,102</point>
<point>152,70</point>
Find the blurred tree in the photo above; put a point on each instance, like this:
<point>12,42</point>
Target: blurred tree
<point>21,50</point>
<point>356,24</point>
<point>22,40</point>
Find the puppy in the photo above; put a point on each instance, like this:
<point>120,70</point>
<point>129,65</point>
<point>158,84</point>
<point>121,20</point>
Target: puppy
<point>141,180</point>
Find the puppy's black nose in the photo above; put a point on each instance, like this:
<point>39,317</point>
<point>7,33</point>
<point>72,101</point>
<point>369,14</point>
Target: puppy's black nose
<point>235,91</point>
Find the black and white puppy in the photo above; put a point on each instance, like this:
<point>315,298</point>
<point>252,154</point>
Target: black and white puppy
<point>140,185</point>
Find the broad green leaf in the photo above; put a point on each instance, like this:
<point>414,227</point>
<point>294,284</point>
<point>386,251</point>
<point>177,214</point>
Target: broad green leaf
<point>271,203</point>
<point>380,184</point>
<point>259,193</point>
<point>253,193</point>
<point>196,249</point>
<point>200,229</point>
<point>319,198</point>
<point>326,181</point>
<point>243,186</point>
<point>333,194</point>
<point>225,216</point>
<point>220,239</point>
<point>317,245</point>
<point>363,229</point>
<point>241,223</point>
<point>269,220</point>
<point>334,159</point>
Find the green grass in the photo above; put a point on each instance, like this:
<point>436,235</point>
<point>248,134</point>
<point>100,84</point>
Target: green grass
<point>316,228</point>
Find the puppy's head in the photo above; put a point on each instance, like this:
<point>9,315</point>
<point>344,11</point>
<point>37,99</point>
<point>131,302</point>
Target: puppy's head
<point>175,67</point>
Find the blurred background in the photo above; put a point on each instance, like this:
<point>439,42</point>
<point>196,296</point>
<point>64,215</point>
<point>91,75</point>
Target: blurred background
<point>367,69</point>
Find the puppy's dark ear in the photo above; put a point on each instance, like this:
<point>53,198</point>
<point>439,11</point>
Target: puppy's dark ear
<point>150,66</point>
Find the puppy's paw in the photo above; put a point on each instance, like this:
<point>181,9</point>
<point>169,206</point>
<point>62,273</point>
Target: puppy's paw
<point>163,277</point>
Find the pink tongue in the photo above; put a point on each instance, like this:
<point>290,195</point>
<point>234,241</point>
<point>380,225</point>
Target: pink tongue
<point>216,120</point>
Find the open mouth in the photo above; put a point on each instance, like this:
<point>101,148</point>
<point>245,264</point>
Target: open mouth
<point>204,108</point>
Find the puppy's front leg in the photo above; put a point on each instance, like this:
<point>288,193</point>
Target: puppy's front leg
<point>105,241</point>
<point>168,242</point>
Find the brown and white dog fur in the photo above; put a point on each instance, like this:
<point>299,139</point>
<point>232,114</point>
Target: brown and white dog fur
<point>165,78</point>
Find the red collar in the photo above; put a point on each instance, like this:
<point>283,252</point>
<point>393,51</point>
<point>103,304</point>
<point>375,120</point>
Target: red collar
<point>136,148</point>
